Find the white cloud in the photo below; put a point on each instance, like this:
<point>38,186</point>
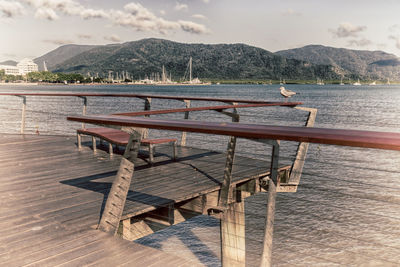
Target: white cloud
<point>396,40</point>
<point>142,20</point>
<point>291,12</point>
<point>10,9</point>
<point>68,7</point>
<point>180,6</point>
<point>93,14</point>
<point>360,43</point>
<point>381,46</point>
<point>46,13</point>
<point>139,11</point>
<point>199,16</point>
<point>58,41</point>
<point>347,30</point>
<point>112,38</point>
<point>133,15</point>
<point>206,1</point>
<point>85,36</point>
<point>162,12</point>
<point>47,9</point>
<point>394,28</point>
<point>192,27</point>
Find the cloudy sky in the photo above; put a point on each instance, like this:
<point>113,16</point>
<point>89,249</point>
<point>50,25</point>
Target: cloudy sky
<point>31,28</point>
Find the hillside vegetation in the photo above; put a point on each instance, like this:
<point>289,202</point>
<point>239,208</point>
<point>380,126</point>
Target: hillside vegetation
<point>369,65</point>
<point>222,61</point>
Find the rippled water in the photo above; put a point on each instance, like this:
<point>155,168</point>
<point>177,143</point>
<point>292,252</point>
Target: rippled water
<point>347,208</point>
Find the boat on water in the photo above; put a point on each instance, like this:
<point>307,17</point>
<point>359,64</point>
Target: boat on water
<point>373,83</point>
<point>357,82</point>
<point>320,82</point>
<point>191,81</point>
<point>164,79</point>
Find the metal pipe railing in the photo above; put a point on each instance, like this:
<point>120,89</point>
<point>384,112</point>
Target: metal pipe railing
<point>147,104</point>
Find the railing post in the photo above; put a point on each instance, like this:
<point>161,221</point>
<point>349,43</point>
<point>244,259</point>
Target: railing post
<point>269,220</point>
<point>22,130</point>
<point>84,108</point>
<point>147,107</point>
<point>183,137</point>
<point>234,115</point>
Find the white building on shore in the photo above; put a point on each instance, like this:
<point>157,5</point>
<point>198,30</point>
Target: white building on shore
<point>10,70</point>
<point>27,65</point>
<point>23,67</point>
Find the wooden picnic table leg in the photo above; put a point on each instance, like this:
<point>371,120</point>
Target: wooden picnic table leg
<point>94,145</point>
<point>110,149</point>
<point>79,140</point>
<point>151,153</point>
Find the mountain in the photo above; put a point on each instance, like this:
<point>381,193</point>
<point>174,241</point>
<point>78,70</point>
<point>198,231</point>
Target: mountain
<point>9,63</point>
<point>61,54</point>
<point>351,63</point>
<point>220,61</point>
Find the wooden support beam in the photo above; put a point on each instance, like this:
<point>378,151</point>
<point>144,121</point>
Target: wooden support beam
<point>134,229</point>
<point>115,203</point>
<point>232,226</point>
<point>233,246</point>
<point>298,164</point>
<point>269,221</point>
<point>226,188</point>
<point>116,198</point>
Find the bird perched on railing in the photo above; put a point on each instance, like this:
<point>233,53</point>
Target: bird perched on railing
<point>286,93</point>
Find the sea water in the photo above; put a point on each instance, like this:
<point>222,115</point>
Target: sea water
<point>347,208</point>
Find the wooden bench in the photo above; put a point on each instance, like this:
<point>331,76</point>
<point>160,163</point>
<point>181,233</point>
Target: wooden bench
<point>120,138</point>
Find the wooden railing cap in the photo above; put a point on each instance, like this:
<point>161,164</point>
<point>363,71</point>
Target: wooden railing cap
<point>342,137</point>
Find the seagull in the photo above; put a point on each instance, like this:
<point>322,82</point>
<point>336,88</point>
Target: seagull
<point>286,93</point>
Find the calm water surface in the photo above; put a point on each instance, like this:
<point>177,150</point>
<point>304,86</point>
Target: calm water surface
<point>347,208</point>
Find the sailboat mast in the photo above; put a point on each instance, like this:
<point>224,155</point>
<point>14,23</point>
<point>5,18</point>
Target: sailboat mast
<point>190,69</point>
<point>163,74</point>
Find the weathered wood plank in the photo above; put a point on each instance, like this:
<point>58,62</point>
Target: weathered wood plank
<point>53,201</point>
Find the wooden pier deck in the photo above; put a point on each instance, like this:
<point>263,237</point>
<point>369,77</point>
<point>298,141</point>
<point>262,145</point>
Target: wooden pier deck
<point>52,196</point>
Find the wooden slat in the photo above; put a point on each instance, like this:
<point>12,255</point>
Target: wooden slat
<point>49,205</point>
<point>355,138</point>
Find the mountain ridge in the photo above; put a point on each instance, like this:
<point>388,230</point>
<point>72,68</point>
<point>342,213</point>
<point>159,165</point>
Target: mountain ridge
<point>351,63</point>
<point>213,61</point>
<point>60,54</point>
<point>238,61</point>
<point>9,63</point>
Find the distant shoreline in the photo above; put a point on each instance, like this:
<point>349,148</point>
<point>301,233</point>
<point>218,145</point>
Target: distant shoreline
<point>209,82</point>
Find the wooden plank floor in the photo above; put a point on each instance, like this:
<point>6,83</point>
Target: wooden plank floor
<point>52,195</point>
